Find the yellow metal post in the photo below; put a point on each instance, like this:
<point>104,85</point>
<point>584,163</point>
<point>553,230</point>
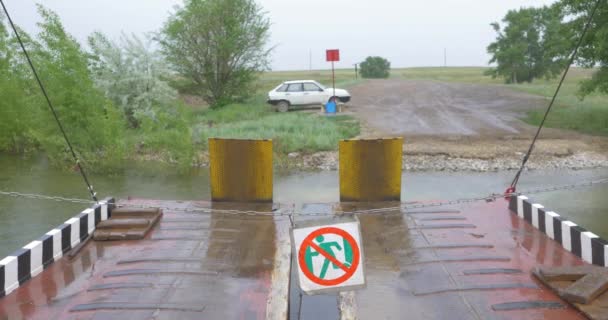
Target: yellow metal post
<point>370,169</point>
<point>240,170</point>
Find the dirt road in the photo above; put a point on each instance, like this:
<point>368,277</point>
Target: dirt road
<point>413,107</point>
<point>455,120</point>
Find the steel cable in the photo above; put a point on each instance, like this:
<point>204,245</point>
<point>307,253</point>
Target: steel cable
<point>48,101</point>
<point>404,207</point>
<point>559,86</point>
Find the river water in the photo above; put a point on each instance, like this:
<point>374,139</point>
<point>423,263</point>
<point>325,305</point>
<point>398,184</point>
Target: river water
<point>23,220</point>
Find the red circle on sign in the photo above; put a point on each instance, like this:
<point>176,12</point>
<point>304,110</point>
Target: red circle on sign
<point>309,239</point>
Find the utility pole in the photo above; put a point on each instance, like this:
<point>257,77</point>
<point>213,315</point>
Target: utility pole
<point>445,57</point>
<point>356,72</point>
<point>310,60</point>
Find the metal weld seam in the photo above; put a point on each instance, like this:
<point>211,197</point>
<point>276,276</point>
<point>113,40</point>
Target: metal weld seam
<point>502,286</point>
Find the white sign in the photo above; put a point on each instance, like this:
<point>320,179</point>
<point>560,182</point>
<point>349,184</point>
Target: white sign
<point>329,256</point>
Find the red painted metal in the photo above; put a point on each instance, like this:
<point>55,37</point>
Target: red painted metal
<point>332,55</point>
<point>398,265</point>
<point>238,252</point>
<point>509,192</point>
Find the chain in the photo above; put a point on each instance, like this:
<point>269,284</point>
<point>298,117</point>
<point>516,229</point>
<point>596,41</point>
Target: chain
<point>205,210</point>
<point>279,212</point>
<point>494,196</point>
<point>44,197</point>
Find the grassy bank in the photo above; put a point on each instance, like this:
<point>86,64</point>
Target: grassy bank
<point>291,131</point>
<point>589,115</point>
<point>296,131</point>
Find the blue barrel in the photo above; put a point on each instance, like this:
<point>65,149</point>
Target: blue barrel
<point>330,107</point>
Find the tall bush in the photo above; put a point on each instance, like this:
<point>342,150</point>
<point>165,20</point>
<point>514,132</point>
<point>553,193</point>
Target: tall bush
<point>375,67</point>
<point>132,75</point>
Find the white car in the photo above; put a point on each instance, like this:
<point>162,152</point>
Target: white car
<point>302,93</point>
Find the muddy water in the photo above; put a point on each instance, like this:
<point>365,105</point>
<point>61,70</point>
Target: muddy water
<point>22,220</point>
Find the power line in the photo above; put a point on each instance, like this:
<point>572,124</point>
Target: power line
<point>48,101</point>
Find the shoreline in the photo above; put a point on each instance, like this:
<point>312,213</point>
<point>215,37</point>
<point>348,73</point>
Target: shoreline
<point>438,162</point>
<point>326,161</point>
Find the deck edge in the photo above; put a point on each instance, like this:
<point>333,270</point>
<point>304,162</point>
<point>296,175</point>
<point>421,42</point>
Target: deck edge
<point>30,260</point>
<point>573,238</point>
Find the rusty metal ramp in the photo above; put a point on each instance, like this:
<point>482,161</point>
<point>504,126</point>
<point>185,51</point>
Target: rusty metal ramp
<point>190,266</point>
<point>465,262</point>
<point>233,261</point>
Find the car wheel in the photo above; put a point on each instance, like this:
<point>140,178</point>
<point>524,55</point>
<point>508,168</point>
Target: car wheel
<point>334,99</point>
<point>283,106</point>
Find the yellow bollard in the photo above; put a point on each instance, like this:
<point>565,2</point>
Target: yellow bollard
<point>370,169</point>
<point>240,170</point>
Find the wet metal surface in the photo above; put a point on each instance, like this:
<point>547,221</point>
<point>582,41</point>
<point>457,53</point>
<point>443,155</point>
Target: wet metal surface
<point>491,271</point>
<point>476,287</point>
<point>444,226</point>
<point>225,270</point>
<point>108,286</point>
<point>520,305</point>
<point>420,273</point>
<point>440,218</point>
<point>302,306</point>
<point>457,246</point>
<point>135,306</point>
<point>238,267</point>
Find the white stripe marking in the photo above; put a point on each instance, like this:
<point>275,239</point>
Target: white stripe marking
<point>520,206</point>
<point>566,241</point>
<point>90,220</point>
<point>586,249</point>
<point>11,281</point>
<point>549,223</point>
<point>535,208</point>
<point>35,248</point>
<point>277,303</point>
<point>75,231</point>
<point>104,212</point>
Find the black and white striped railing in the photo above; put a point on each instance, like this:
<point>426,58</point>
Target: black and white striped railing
<point>576,239</point>
<point>30,260</point>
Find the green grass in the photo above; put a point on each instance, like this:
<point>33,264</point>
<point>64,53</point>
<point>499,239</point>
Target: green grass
<point>290,131</point>
<point>452,74</point>
<point>589,115</point>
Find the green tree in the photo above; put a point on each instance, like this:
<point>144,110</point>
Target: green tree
<point>532,44</point>
<point>132,75</point>
<point>594,48</point>
<point>219,45</point>
<point>15,111</point>
<point>92,123</point>
<point>375,67</point>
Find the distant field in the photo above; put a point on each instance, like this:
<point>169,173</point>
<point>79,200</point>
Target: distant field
<point>589,115</point>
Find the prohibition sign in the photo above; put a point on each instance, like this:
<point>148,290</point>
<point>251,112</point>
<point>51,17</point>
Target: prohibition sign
<point>348,270</point>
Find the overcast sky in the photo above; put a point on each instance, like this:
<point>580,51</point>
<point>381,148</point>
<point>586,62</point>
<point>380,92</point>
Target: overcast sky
<point>407,32</point>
